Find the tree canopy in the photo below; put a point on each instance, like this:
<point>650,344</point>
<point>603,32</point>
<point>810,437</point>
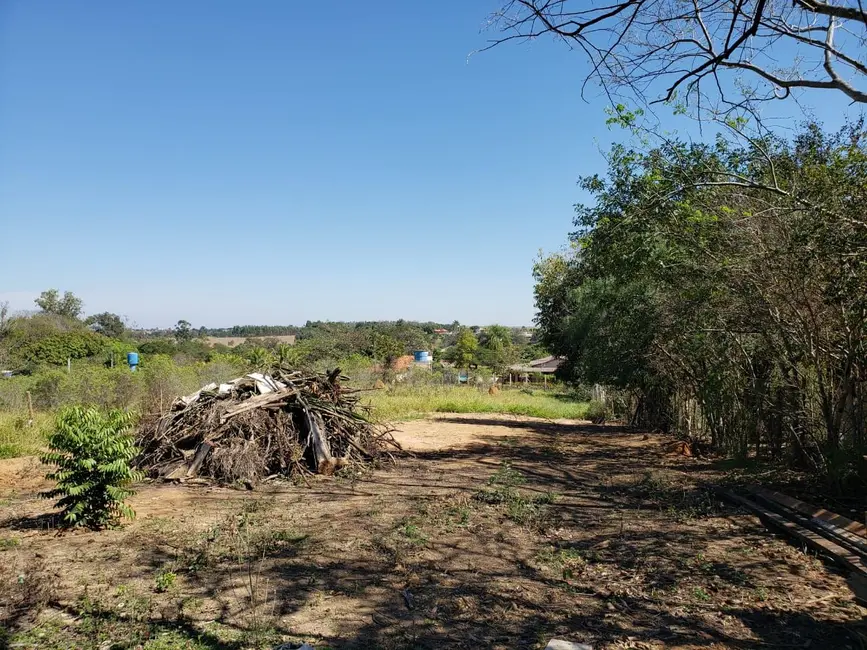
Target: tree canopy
<point>107,324</point>
<point>727,278</point>
<point>51,302</point>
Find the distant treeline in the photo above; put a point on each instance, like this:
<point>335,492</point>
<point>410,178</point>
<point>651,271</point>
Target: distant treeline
<point>59,333</point>
<point>249,330</point>
<point>312,328</point>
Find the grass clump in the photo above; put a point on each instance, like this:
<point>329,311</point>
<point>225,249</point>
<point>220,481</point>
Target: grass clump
<point>18,437</point>
<point>409,402</point>
<point>502,491</point>
<point>164,581</point>
<point>411,532</point>
<point>700,594</point>
<point>682,501</point>
<point>569,562</point>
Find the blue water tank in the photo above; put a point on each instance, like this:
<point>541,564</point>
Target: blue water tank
<point>421,356</point>
<point>132,359</point>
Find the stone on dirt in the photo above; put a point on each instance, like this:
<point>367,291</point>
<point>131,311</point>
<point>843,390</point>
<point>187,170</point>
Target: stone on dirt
<point>560,644</point>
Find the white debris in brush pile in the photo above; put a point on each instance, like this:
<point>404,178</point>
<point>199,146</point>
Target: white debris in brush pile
<point>264,384</point>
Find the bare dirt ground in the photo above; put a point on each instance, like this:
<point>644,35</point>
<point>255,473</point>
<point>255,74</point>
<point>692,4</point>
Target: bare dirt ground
<point>496,532</point>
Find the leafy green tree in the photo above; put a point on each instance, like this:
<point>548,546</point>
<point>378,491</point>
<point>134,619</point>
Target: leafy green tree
<point>68,305</point>
<point>385,347</point>
<point>107,324</point>
<point>286,354</point>
<point>497,349</point>
<point>465,348</point>
<point>4,316</point>
<point>496,336</point>
<point>158,346</point>
<point>58,347</point>
<point>725,285</point>
<point>184,331</point>
<point>91,451</point>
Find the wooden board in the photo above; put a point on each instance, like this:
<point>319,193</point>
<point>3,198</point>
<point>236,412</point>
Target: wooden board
<point>318,440</point>
<point>836,527</point>
<point>852,561</point>
<point>202,452</point>
<point>258,401</point>
<point>838,521</point>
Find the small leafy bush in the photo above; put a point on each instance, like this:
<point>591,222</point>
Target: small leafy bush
<point>597,412</point>
<point>91,450</point>
<point>57,348</point>
<point>165,580</point>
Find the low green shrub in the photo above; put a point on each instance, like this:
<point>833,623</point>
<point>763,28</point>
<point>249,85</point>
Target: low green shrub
<point>596,411</point>
<point>91,450</point>
<point>57,348</point>
<point>21,437</point>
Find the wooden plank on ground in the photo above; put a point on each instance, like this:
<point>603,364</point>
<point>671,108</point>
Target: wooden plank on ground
<point>842,556</point>
<point>837,521</point>
<point>838,528</point>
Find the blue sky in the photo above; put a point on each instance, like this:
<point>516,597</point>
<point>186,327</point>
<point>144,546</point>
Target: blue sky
<point>277,161</point>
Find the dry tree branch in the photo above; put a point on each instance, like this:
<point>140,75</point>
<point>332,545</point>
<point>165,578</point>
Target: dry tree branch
<point>651,49</point>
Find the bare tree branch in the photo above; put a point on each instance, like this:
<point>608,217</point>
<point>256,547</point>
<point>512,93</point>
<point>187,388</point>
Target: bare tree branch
<point>667,50</point>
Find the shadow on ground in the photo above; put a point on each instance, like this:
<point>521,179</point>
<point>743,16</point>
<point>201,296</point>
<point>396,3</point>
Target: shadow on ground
<point>585,532</point>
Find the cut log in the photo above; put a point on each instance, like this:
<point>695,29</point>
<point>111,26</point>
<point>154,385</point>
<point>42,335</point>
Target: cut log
<point>334,376</point>
<point>357,447</point>
<point>202,452</point>
<point>317,439</point>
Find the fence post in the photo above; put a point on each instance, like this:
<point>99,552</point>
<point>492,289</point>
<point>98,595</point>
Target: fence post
<point>30,409</point>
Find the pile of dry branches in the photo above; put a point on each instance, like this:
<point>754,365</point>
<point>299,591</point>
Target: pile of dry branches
<point>261,425</point>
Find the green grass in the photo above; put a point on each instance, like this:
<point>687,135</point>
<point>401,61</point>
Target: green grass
<point>18,439</point>
<point>411,402</point>
<point>523,509</point>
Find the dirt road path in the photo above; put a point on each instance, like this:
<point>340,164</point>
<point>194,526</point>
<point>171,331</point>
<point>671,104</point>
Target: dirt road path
<point>493,532</point>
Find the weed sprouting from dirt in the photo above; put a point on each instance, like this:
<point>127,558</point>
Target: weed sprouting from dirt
<point>507,476</point>
<point>412,533</point>
<point>700,594</point>
<point>682,502</point>
<point>502,491</point>
<point>164,580</point>
<point>28,586</point>
<point>569,562</point>
<point>243,544</point>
